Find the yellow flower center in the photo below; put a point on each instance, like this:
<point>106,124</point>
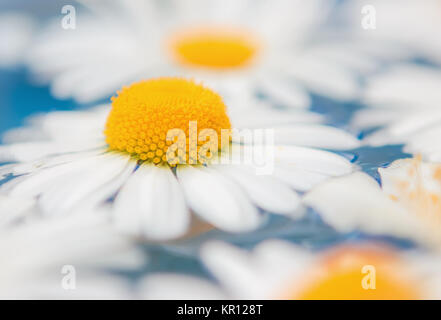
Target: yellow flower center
<point>214,48</point>
<point>358,274</point>
<point>164,120</point>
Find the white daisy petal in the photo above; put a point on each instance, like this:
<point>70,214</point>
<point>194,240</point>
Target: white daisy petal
<point>29,151</point>
<point>369,118</point>
<point>177,287</point>
<point>271,23</point>
<point>80,186</point>
<point>265,191</point>
<point>423,16</point>
<point>24,134</point>
<point>276,261</point>
<point>414,123</point>
<point>107,190</point>
<point>312,160</point>
<point>234,268</point>
<point>279,255</point>
<point>62,125</point>
<point>16,33</point>
<point>152,203</point>
<point>265,117</point>
<point>285,93</point>
<point>35,183</point>
<point>12,208</point>
<point>423,142</point>
<point>397,97</point>
<point>5,170</point>
<point>81,183</point>
<point>404,129</point>
<point>33,251</point>
<point>217,199</point>
<point>100,83</point>
<point>318,136</point>
<point>356,202</point>
<point>434,156</point>
<point>140,13</point>
<point>403,87</point>
<point>298,178</point>
<point>51,161</point>
<point>80,60</point>
<point>345,54</point>
<point>380,138</point>
<point>324,78</point>
<point>299,167</point>
<point>94,286</point>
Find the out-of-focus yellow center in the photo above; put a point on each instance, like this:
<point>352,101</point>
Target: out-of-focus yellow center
<point>214,48</point>
<point>143,114</point>
<point>348,274</point>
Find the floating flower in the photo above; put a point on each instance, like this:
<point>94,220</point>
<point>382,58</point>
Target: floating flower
<point>66,162</point>
<point>407,205</point>
<point>279,270</point>
<point>241,48</point>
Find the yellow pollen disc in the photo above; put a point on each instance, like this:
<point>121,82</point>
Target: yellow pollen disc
<point>214,48</point>
<point>144,113</point>
<point>358,274</point>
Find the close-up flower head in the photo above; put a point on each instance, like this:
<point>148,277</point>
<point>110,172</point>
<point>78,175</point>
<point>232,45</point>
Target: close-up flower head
<point>189,150</point>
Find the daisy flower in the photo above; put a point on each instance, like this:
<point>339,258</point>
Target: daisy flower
<point>66,162</point>
<point>403,103</point>
<point>407,205</point>
<point>66,259</point>
<point>280,270</point>
<point>241,48</point>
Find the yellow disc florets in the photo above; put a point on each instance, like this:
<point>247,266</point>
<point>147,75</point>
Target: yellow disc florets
<point>165,120</point>
<point>214,48</point>
<point>359,274</point>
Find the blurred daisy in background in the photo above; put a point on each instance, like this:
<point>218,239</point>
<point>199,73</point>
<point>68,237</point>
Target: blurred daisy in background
<point>402,99</point>
<point>70,258</point>
<point>407,205</point>
<point>403,103</point>
<point>66,162</point>
<point>420,19</point>
<point>280,270</point>
<point>242,48</point>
